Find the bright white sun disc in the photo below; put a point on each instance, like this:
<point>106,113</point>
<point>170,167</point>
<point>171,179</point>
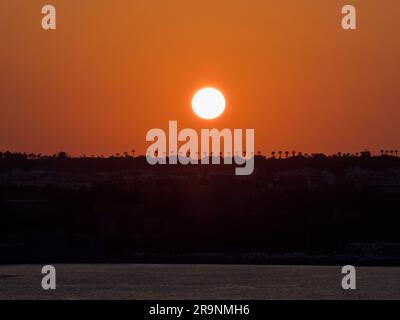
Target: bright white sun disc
<point>208,103</point>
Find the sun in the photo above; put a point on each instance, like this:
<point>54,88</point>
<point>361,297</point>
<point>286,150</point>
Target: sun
<point>208,103</point>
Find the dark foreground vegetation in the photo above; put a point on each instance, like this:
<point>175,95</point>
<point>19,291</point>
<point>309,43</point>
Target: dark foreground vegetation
<point>300,209</point>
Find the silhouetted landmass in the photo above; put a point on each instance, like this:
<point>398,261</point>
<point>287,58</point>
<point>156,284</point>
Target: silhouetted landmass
<point>297,209</point>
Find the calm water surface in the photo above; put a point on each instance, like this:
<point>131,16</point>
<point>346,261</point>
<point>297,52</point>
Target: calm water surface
<point>124,281</point>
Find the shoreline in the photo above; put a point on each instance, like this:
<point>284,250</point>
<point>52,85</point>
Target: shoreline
<point>289,259</point>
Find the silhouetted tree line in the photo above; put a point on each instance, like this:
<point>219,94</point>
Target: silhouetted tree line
<point>202,212</point>
<point>15,156</point>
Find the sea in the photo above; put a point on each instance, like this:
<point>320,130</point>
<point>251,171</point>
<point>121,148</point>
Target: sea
<point>197,282</point>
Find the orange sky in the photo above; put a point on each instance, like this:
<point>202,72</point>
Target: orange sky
<point>115,69</point>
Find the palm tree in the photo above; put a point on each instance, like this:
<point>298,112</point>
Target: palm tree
<point>62,155</point>
<point>396,152</point>
<point>273,154</point>
<point>287,154</point>
<point>293,154</point>
<point>280,154</point>
<point>133,153</point>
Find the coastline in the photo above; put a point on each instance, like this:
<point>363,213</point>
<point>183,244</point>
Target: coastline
<point>255,258</point>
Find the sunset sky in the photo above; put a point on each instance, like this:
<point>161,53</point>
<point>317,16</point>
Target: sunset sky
<point>115,69</point>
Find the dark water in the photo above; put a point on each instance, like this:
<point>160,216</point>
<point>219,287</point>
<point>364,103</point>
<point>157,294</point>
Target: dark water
<point>122,281</point>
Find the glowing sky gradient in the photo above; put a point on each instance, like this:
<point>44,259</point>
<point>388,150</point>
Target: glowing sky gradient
<point>115,69</point>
